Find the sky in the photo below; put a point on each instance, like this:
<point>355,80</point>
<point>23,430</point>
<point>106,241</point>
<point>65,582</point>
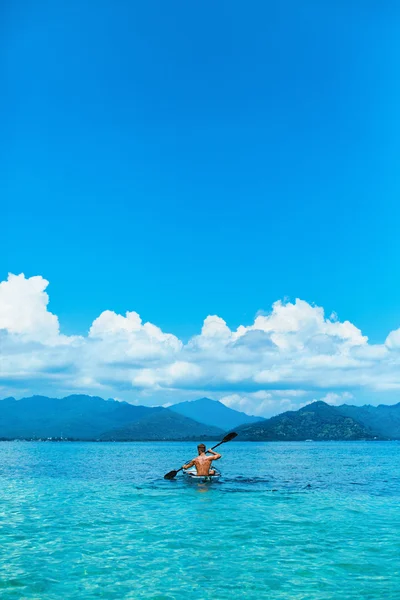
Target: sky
<point>227,171</point>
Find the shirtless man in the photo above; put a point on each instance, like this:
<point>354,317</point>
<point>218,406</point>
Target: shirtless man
<point>202,462</point>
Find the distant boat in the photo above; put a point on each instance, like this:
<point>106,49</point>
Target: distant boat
<point>308,440</point>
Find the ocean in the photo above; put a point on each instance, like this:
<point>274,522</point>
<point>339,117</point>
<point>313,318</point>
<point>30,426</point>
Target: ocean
<point>299,520</point>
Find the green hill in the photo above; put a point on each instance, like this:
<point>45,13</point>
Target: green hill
<point>78,417</point>
<point>91,418</point>
<point>382,419</point>
<point>317,421</point>
<point>161,426</point>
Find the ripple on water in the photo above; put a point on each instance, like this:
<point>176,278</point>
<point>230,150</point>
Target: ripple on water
<point>94,521</point>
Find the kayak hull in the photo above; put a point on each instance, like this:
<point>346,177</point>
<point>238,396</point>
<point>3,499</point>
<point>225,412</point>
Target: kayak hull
<point>191,475</point>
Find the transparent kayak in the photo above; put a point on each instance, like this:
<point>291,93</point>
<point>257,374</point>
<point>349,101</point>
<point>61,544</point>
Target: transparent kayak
<point>191,475</point>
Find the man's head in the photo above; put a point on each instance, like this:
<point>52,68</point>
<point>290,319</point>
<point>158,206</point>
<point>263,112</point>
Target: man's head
<point>201,448</point>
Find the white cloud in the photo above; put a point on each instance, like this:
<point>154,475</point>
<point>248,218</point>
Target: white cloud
<point>215,327</point>
<point>393,340</point>
<point>23,309</point>
<point>130,329</point>
<point>265,404</point>
<point>337,399</point>
<point>295,326</point>
<point>292,354</point>
<point>258,404</point>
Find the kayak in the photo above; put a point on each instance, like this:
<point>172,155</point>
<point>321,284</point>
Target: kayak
<point>191,475</point>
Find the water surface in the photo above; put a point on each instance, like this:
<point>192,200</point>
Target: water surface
<point>288,521</point>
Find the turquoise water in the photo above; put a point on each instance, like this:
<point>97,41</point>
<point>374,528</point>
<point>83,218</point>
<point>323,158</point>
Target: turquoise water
<point>289,521</point>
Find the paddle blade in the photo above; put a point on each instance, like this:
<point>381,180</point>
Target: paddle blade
<point>229,437</point>
<point>170,475</point>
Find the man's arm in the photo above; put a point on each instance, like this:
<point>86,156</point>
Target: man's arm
<point>188,465</point>
<point>215,455</point>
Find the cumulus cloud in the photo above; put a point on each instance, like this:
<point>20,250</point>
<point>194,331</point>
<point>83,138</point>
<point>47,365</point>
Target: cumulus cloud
<point>298,326</point>
<point>257,404</point>
<point>282,359</point>
<point>262,403</point>
<point>127,338</point>
<point>337,399</point>
<point>393,340</point>
<point>23,309</point>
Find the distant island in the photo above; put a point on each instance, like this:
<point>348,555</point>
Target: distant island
<point>90,418</point>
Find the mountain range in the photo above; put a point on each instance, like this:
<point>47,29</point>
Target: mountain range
<point>81,417</point>
<point>211,412</point>
<point>317,421</point>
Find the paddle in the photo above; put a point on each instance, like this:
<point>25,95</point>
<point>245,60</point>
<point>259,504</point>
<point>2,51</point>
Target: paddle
<point>227,438</point>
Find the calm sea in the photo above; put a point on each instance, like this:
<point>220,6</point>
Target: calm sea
<point>289,520</point>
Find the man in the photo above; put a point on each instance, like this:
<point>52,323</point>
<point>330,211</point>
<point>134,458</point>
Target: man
<point>202,462</point>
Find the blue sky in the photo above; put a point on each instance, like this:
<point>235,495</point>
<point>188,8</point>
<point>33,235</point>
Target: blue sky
<point>186,159</point>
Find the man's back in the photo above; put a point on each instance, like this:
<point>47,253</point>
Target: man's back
<point>203,462</point>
